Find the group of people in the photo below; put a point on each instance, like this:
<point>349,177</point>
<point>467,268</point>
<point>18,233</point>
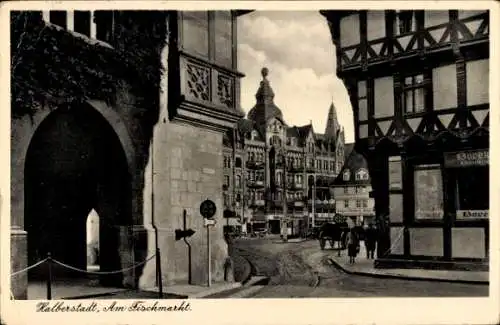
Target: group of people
<point>353,243</point>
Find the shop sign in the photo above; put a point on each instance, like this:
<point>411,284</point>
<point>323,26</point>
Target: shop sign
<point>473,214</point>
<point>466,158</point>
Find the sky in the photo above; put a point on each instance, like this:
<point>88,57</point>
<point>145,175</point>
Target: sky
<point>297,49</point>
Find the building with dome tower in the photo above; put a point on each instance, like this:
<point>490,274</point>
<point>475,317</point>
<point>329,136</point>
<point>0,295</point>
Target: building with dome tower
<point>277,177</point>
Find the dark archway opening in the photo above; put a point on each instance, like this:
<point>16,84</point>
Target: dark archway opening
<point>75,163</point>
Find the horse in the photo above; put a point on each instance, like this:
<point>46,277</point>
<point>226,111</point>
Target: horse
<point>333,232</point>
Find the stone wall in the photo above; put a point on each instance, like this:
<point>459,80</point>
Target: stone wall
<point>187,165</point>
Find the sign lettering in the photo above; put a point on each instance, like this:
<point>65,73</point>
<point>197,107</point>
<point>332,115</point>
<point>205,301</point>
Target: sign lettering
<point>472,214</point>
<point>467,158</point>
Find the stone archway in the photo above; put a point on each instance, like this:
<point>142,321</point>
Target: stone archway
<point>75,162</point>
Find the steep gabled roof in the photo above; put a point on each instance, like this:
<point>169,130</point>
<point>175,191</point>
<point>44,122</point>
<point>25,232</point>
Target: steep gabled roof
<point>348,148</point>
<point>354,162</point>
<point>246,126</point>
<point>292,132</point>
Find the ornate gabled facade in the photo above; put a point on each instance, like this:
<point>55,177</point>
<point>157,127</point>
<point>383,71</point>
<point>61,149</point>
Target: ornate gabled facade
<point>351,189</point>
<point>277,175</point>
<point>418,81</point>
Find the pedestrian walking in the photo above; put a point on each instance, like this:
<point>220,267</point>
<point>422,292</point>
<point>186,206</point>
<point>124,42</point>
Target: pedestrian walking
<point>352,246</point>
<point>370,241</point>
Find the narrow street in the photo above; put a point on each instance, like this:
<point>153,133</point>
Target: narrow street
<point>295,268</point>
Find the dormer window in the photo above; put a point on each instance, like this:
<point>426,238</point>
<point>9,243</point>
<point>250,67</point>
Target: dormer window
<point>362,175</point>
<point>404,22</point>
<point>254,135</point>
<point>347,175</point>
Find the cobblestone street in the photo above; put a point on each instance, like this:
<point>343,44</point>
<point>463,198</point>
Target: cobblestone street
<point>295,268</point>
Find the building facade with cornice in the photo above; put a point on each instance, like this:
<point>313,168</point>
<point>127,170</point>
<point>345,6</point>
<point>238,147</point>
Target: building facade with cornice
<point>276,176</point>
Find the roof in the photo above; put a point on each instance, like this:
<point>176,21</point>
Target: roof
<point>354,162</point>
<point>348,147</point>
<point>265,108</point>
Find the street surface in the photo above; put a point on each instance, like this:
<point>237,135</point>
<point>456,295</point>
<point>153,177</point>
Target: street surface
<point>294,269</point>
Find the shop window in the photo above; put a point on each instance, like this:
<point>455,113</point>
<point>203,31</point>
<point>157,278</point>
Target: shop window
<point>414,94</point>
<point>428,187</point>
<point>471,190</point>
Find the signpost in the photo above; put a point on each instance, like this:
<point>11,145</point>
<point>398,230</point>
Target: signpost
<point>207,210</point>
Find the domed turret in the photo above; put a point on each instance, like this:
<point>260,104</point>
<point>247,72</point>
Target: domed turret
<point>264,108</point>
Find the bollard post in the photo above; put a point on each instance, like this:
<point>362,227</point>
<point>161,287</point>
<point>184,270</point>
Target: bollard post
<point>49,276</point>
<point>158,273</point>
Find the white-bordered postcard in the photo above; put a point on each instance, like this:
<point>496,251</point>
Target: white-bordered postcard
<point>248,162</point>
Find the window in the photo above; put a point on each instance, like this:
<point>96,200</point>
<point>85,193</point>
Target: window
<point>362,101</point>
<point>104,24</point>
<point>347,175</point>
<point>359,189</point>
<point>361,175</point>
<point>254,135</point>
<point>279,178</point>
<point>471,189</point>
<point>325,165</point>
<point>82,22</point>
<point>59,18</point>
<point>405,22</point>
<point>223,38</point>
<point>358,204</point>
<point>226,180</point>
<point>332,165</point>
<point>238,162</point>
<point>428,187</point>
<point>238,181</point>
<point>346,190</point>
<point>197,33</point>
<point>346,203</point>
<point>414,94</point>
<point>365,203</point>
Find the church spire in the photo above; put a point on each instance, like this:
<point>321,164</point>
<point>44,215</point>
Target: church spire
<point>332,124</point>
<point>265,94</point>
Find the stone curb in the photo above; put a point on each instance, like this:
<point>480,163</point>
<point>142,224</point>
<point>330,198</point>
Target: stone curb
<point>403,277</point>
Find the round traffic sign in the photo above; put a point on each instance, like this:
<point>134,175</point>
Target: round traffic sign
<point>207,209</point>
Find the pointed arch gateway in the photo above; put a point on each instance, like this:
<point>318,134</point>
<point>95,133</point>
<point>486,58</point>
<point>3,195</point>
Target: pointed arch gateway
<point>76,163</point>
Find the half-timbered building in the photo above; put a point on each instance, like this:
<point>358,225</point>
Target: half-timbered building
<point>418,82</point>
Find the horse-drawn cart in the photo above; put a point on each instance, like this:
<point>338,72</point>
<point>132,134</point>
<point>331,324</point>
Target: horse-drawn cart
<point>333,232</point>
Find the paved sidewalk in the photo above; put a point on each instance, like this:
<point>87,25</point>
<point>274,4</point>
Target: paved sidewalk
<point>65,290</point>
<point>198,291</point>
<point>364,266</point>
